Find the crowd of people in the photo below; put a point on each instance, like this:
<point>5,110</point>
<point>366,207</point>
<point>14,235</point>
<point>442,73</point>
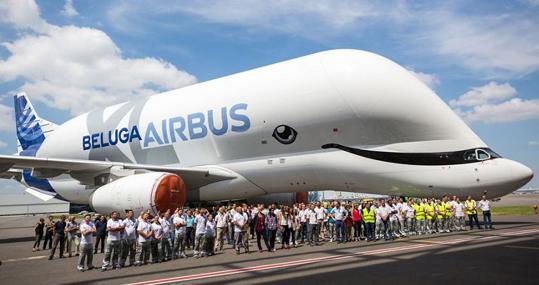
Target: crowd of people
<point>201,232</point>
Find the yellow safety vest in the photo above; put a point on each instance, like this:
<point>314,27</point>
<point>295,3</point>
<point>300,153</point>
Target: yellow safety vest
<point>368,216</point>
<point>430,211</point>
<point>441,211</point>
<point>419,211</point>
<point>470,207</point>
<point>448,210</point>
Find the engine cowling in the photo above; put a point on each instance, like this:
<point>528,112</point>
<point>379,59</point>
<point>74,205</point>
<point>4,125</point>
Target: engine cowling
<point>154,191</point>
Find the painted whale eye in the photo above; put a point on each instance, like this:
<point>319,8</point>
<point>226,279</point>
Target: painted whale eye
<point>285,134</point>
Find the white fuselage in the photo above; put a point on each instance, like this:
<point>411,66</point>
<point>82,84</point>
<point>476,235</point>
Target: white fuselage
<point>346,97</point>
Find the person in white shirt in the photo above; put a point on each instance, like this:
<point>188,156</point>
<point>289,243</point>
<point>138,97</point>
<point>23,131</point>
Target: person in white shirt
<point>409,217</point>
<point>166,241</point>
<point>452,218</point>
<point>200,229</point>
<point>379,226</point>
<point>239,220</point>
<point>399,207</point>
<point>87,229</point>
<point>312,225</point>
<point>393,220</point>
<point>155,241</point>
<point>221,223</point>
<point>339,215</point>
<point>302,232</point>
<point>180,235</point>
<point>144,230</point>
<point>484,205</point>
<point>129,241</point>
<point>209,236</point>
<point>320,215</point>
<point>114,228</point>
<point>385,210</point>
<point>72,228</point>
<point>458,209</point>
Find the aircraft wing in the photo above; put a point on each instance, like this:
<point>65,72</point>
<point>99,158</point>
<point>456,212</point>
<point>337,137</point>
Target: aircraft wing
<point>87,170</point>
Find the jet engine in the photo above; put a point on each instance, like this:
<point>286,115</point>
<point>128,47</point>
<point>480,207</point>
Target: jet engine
<point>154,191</point>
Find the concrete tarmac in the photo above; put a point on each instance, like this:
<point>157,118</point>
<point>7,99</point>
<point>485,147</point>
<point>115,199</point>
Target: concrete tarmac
<point>507,255</point>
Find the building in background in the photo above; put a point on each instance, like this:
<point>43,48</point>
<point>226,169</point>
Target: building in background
<point>25,204</point>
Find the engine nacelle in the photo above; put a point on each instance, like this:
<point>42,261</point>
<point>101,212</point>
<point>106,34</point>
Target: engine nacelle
<point>154,191</point>
<point>280,198</point>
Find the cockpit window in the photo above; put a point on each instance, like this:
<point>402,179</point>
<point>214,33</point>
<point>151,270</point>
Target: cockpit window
<point>482,154</point>
<point>492,153</point>
<point>470,155</point>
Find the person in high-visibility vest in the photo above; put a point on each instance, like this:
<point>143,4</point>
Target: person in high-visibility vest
<point>419,208</point>
<point>440,216</point>
<point>431,217</point>
<point>471,211</point>
<point>369,219</point>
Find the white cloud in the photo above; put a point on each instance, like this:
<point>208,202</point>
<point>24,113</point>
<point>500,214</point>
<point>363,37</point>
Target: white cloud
<point>78,69</point>
<point>69,9</point>
<point>23,15</point>
<point>490,93</point>
<point>431,80</point>
<point>534,143</point>
<point>493,103</point>
<point>498,45</point>
<point>310,19</point>
<point>7,119</point>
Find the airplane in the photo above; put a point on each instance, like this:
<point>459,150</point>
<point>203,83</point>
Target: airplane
<point>346,120</point>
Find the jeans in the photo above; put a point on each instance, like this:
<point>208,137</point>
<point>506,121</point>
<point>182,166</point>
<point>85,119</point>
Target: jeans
<point>166,247</point>
<point>58,239</point>
<point>331,230</point>
<point>302,231</point>
<point>262,235</point>
<point>209,244</point>
<point>369,231</point>
<point>154,247</point>
<point>73,240</point>
<point>48,239</point>
<point>86,255</point>
<point>199,244</point>
<point>286,236</point>
<point>239,239</point>
<point>189,237</point>
<point>128,248</point>
<point>357,229</point>
<point>112,253</point>
<point>271,238</point>
<point>179,245</point>
<point>487,221</point>
<point>339,225</point>
<point>460,223</point>
<point>143,253</point>
<point>99,240</point>
<point>312,233</point>
<point>37,240</point>
<point>420,226</point>
<point>409,225</point>
<point>472,218</point>
<point>387,230</point>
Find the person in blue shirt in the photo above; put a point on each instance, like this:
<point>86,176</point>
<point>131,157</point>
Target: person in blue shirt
<point>59,237</point>
<point>101,233</point>
<point>189,229</point>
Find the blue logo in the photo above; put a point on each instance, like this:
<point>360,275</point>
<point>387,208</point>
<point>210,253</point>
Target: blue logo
<point>171,130</point>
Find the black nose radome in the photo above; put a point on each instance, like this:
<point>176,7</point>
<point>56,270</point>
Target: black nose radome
<point>285,134</point>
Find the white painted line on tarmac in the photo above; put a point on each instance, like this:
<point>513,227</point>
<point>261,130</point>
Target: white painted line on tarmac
<point>25,258</point>
<point>320,259</point>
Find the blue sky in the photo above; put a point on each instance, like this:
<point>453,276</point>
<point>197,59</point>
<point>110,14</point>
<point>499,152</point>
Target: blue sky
<point>481,57</point>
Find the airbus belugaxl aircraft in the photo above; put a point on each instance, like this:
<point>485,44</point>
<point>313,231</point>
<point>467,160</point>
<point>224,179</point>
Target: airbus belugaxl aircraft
<point>346,120</point>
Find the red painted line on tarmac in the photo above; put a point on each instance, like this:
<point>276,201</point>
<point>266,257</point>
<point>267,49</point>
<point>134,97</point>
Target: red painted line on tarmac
<point>317,259</point>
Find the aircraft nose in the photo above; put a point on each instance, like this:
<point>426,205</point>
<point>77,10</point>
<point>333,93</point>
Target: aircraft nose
<point>522,173</point>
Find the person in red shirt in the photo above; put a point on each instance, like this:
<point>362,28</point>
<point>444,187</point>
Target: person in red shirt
<point>356,219</point>
<point>260,230</point>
